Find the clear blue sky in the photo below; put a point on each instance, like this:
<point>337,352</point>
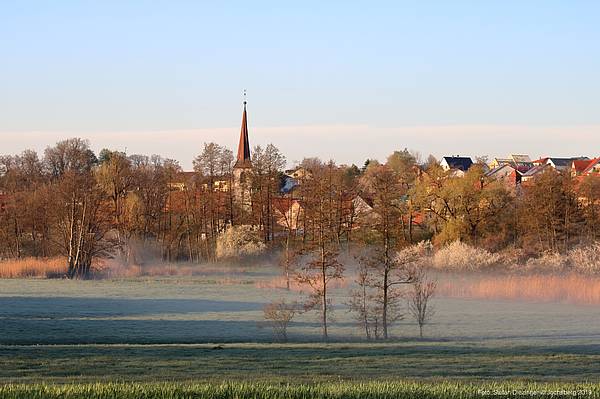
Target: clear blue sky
<point>114,72</point>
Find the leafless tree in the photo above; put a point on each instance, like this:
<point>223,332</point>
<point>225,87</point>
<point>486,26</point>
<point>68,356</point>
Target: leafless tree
<point>279,315</point>
<point>419,299</point>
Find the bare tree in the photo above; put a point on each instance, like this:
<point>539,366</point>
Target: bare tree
<point>419,299</point>
<point>82,221</point>
<point>323,265</point>
<point>363,303</point>
<point>279,315</point>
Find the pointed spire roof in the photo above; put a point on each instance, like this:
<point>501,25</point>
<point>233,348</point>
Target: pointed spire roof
<point>243,154</point>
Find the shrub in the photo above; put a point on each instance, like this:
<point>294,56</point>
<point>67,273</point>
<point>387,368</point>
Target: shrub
<point>239,241</point>
<point>586,259</point>
<point>583,259</point>
<point>548,262</point>
<point>463,257</point>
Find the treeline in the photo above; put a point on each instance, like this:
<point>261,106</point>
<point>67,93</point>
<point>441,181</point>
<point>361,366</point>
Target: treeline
<point>71,202</point>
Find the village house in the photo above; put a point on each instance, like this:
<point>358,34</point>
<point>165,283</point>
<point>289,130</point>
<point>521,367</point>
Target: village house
<point>559,164</point>
<point>520,162</point>
<point>456,163</point>
<point>535,171</point>
<point>507,174</point>
<point>593,168</point>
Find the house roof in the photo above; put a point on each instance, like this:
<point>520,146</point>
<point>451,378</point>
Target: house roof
<point>499,168</point>
<point>462,163</point>
<point>564,162</point>
<point>521,158</point>
<point>579,165</point>
<point>535,170</point>
<point>591,165</point>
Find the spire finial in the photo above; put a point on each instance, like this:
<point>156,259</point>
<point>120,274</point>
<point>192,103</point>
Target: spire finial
<point>244,97</point>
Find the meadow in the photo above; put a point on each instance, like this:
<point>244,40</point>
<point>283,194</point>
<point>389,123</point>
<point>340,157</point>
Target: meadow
<point>206,327</point>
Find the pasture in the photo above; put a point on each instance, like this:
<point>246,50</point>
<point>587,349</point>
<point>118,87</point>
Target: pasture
<point>208,327</point>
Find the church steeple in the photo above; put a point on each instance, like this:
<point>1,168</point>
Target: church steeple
<point>243,155</point>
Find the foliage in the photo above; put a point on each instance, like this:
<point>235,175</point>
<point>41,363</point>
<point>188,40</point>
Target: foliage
<point>459,256</point>
<point>585,258</point>
<point>549,216</point>
<point>470,208</point>
<point>239,241</point>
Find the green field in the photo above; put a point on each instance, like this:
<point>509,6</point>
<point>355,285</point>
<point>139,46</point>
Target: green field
<point>208,329</point>
<point>337,390</point>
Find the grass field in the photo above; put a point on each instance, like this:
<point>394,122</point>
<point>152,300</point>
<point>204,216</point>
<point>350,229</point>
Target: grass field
<point>207,328</point>
<point>337,390</point>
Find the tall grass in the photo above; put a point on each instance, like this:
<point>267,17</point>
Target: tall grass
<point>570,288</point>
<point>337,390</point>
<point>33,267</point>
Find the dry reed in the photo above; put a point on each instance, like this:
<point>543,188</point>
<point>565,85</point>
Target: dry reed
<point>570,288</point>
<point>33,268</point>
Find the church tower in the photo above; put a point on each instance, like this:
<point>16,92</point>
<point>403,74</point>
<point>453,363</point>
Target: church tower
<point>242,170</point>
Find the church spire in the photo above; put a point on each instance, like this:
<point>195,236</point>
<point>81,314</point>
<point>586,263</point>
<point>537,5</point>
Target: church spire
<point>243,155</point>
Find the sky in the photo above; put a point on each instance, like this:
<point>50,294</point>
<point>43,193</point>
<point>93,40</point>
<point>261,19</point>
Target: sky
<point>339,80</point>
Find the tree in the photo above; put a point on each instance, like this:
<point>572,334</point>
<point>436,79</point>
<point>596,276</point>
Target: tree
<point>279,314</point>
<point>549,216</point>
<point>363,302</point>
<point>322,265</point>
<point>72,155</point>
<point>385,275</point>
<point>589,198</point>
<point>267,163</point>
<point>317,273</point>
<point>382,183</point>
<point>471,208</point>
<point>239,241</point>
<point>82,222</point>
<point>115,179</point>
<point>419,298</point>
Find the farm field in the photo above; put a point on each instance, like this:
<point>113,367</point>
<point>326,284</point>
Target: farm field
<point>209,328</point>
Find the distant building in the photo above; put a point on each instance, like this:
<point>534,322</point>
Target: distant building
<point>560,164</point>
<point>563,164</point>
<point>535,171</point>
<point>520,162</point>
<point>242,170</point>
<point>580,167</point>
<point>298,173</point>
<point>593,168</point>
<point>456,162</point>
<point>507,174</point>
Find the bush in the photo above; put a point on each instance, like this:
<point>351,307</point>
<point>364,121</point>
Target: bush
<point>586,259</point>
<point>548,262</point>
<point>239,241</point>
<point>459,256</point>
<point>583,259</point>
